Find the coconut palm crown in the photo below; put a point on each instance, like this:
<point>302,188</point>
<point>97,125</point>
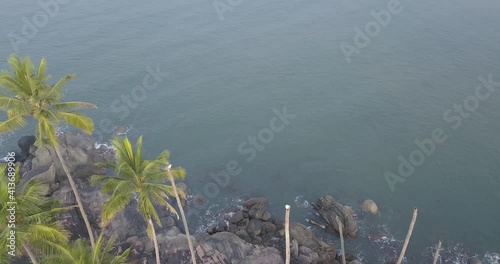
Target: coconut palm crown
<point>140,181</point>
<point>36,230</point>
<point>32,97</point>
<point>29,95</point>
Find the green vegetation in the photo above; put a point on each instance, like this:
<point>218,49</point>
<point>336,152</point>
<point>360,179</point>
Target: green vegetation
<point>33,97</point>
<point>37,232</point>
<point>25,94</point>
<point>139,178</point>
<point>79,252</point>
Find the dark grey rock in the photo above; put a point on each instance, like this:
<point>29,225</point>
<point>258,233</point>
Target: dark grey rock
<point>25,142</point>
<point>221,226</point>
<point>269,227</point>
<point>243,235</point>
<point>259,202</point>
<point>329,209</point>
<point>255,227</point>
<point>237,217</point>
<point>475,260</point>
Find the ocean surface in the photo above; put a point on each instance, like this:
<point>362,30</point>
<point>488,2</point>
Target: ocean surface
<point>219,74</point>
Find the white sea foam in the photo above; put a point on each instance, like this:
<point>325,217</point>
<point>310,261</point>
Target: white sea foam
<point>301,202</point>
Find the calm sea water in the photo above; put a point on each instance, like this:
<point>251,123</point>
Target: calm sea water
<point>352,120</point>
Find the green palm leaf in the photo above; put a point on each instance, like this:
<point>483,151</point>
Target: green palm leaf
<point>77,120</point>
<point>71,106</point>
<point>13,123</point>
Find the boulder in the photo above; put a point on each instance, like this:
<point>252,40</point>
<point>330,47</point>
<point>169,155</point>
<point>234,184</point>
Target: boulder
<point>25,142</point>
<point>370,207</point>
<point>307,238</point>
<point>238,216</point>
<point>223,247</point>
<point>475,260</point>
<point>255,227</point>
<point>45,175</point>
<point>265,256</point>
<point>79,154</point>
<point>258,203</point>
<point>329,209</point>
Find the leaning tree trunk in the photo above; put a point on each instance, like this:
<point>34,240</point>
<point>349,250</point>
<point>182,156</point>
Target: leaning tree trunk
<point>30,253</point>
<point>193,257</point>
<point>77,197</point>
<point>155,241</point>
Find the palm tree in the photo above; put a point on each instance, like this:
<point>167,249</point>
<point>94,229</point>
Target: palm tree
<point>33,97</point>
<point>180,173</point>
<point>138,179</point>
<point>79,252</point>
<point>36,230</point>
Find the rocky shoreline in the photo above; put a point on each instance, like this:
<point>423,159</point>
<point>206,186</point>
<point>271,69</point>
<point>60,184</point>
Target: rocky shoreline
<point>246,235</point>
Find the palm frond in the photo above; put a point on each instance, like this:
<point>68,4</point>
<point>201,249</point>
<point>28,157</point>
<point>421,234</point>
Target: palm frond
<point>13,104</point>
<point>138,154</point>
<point>178,173</point>
<point>121,196</point>
<point>55,93</point>
<point>146,208</point>
<point>162,159</point>
<point>71,106</point>
<point>77,120</point>
<point>45,132</point>
<point>12,124</point>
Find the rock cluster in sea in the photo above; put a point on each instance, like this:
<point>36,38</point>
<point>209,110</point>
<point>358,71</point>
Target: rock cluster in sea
<point>254,224</point>
<point>249,235</point>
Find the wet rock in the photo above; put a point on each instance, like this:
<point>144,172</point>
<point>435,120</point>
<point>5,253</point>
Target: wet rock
<point>136,246</point>
<point>305,237</point>
<point>255,202</point>
<point>265,256</point>
<point>232,227</point>
<point>25,142</point>
<point>174,231</point>
<point>269,227</point>
<point>370,206</point>
<point>295,248</point>
<point>222,247</point>
<point>168,221</point>
<point>212,230</point>
<point>46,175</point>
<point>304,260</point>
<point>221,226</point>
<point>475,260</point>
<point>329,209</point>
<point>266,216</point>
<point>243,235</point>
<point>237,217</point>
<point>79,154</point>
<point>255,227</point>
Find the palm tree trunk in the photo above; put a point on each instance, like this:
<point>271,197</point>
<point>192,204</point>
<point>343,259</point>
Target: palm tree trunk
<point>341,232</point>
<point>408,236</point>
<point>77,197</point>
<point>30,253</point>
<point>436,255</point>
<point>155,241</point>
<point>287,234</point>
<point>184,222</point>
